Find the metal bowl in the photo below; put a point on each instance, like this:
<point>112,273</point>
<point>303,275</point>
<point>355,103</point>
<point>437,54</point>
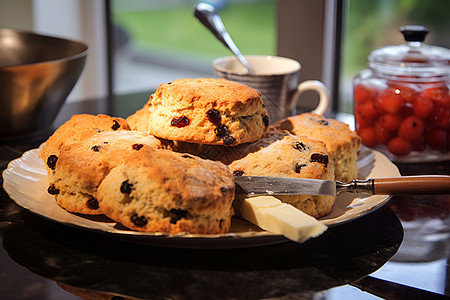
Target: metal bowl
<point>37,73</point>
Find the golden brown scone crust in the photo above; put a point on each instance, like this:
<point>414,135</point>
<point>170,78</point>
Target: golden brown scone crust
<point>342,143</point>
<point>225,154</point>
<point>81,167</point>
<point>205,111</point>
<point>281,154</point>
<point>220,153</point>
<point>140,119</point>
<point>164,191</point>
<point>78,128</point>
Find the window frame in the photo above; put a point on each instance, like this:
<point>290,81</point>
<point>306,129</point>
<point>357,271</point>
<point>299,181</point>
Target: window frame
<point>317,28</point>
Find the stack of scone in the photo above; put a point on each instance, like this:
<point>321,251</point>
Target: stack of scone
<point>169,167</point>
<point>97,165</point>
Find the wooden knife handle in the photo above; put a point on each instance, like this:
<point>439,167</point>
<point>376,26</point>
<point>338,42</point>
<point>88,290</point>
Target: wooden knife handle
<point>412,185</point>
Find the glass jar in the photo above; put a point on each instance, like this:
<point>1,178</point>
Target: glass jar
<point>402,101</point>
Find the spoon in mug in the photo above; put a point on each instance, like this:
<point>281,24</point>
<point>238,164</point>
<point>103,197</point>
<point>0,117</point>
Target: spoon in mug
<point>209,17</point>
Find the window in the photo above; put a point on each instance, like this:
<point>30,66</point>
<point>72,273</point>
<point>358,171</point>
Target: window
<point>159,41</point>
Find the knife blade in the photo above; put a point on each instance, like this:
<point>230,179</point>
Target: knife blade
<point>402,185</point>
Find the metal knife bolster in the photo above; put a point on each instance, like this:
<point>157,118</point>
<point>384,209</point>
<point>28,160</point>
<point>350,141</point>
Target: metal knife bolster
<point>356,186</point>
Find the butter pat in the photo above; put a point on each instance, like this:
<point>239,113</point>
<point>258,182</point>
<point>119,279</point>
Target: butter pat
<point>274,216</point>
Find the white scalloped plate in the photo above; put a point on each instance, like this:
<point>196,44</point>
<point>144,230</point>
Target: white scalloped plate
<point>25,181</point>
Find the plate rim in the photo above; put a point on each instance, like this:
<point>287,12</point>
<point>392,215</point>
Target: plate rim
<point>239,239</point>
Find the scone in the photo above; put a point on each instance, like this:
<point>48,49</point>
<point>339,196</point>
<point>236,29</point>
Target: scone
<point>281,154</point>
<point>81,167</point>
<point>224,154</point>
<point>158,190</point>
<point>78,128</point>
<point>342,143</point>
<point>204,111</point>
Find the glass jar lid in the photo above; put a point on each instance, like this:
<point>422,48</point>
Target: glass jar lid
<point>414,57</point>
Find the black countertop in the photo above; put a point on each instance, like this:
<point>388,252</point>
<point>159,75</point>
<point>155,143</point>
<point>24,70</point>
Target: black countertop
<point>404,246</point>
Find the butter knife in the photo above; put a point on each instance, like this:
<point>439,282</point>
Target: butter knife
<point>402,185</point>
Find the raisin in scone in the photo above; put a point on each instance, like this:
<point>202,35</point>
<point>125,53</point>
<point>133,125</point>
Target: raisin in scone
<point>158,190</point>
<point>342,143</point>
<point>77,128</point>
<point>80,167</point>
<point>204,111</point>
<point>281,154</point>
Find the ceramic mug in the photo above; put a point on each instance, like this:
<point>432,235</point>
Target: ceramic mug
<point>276,78</point>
